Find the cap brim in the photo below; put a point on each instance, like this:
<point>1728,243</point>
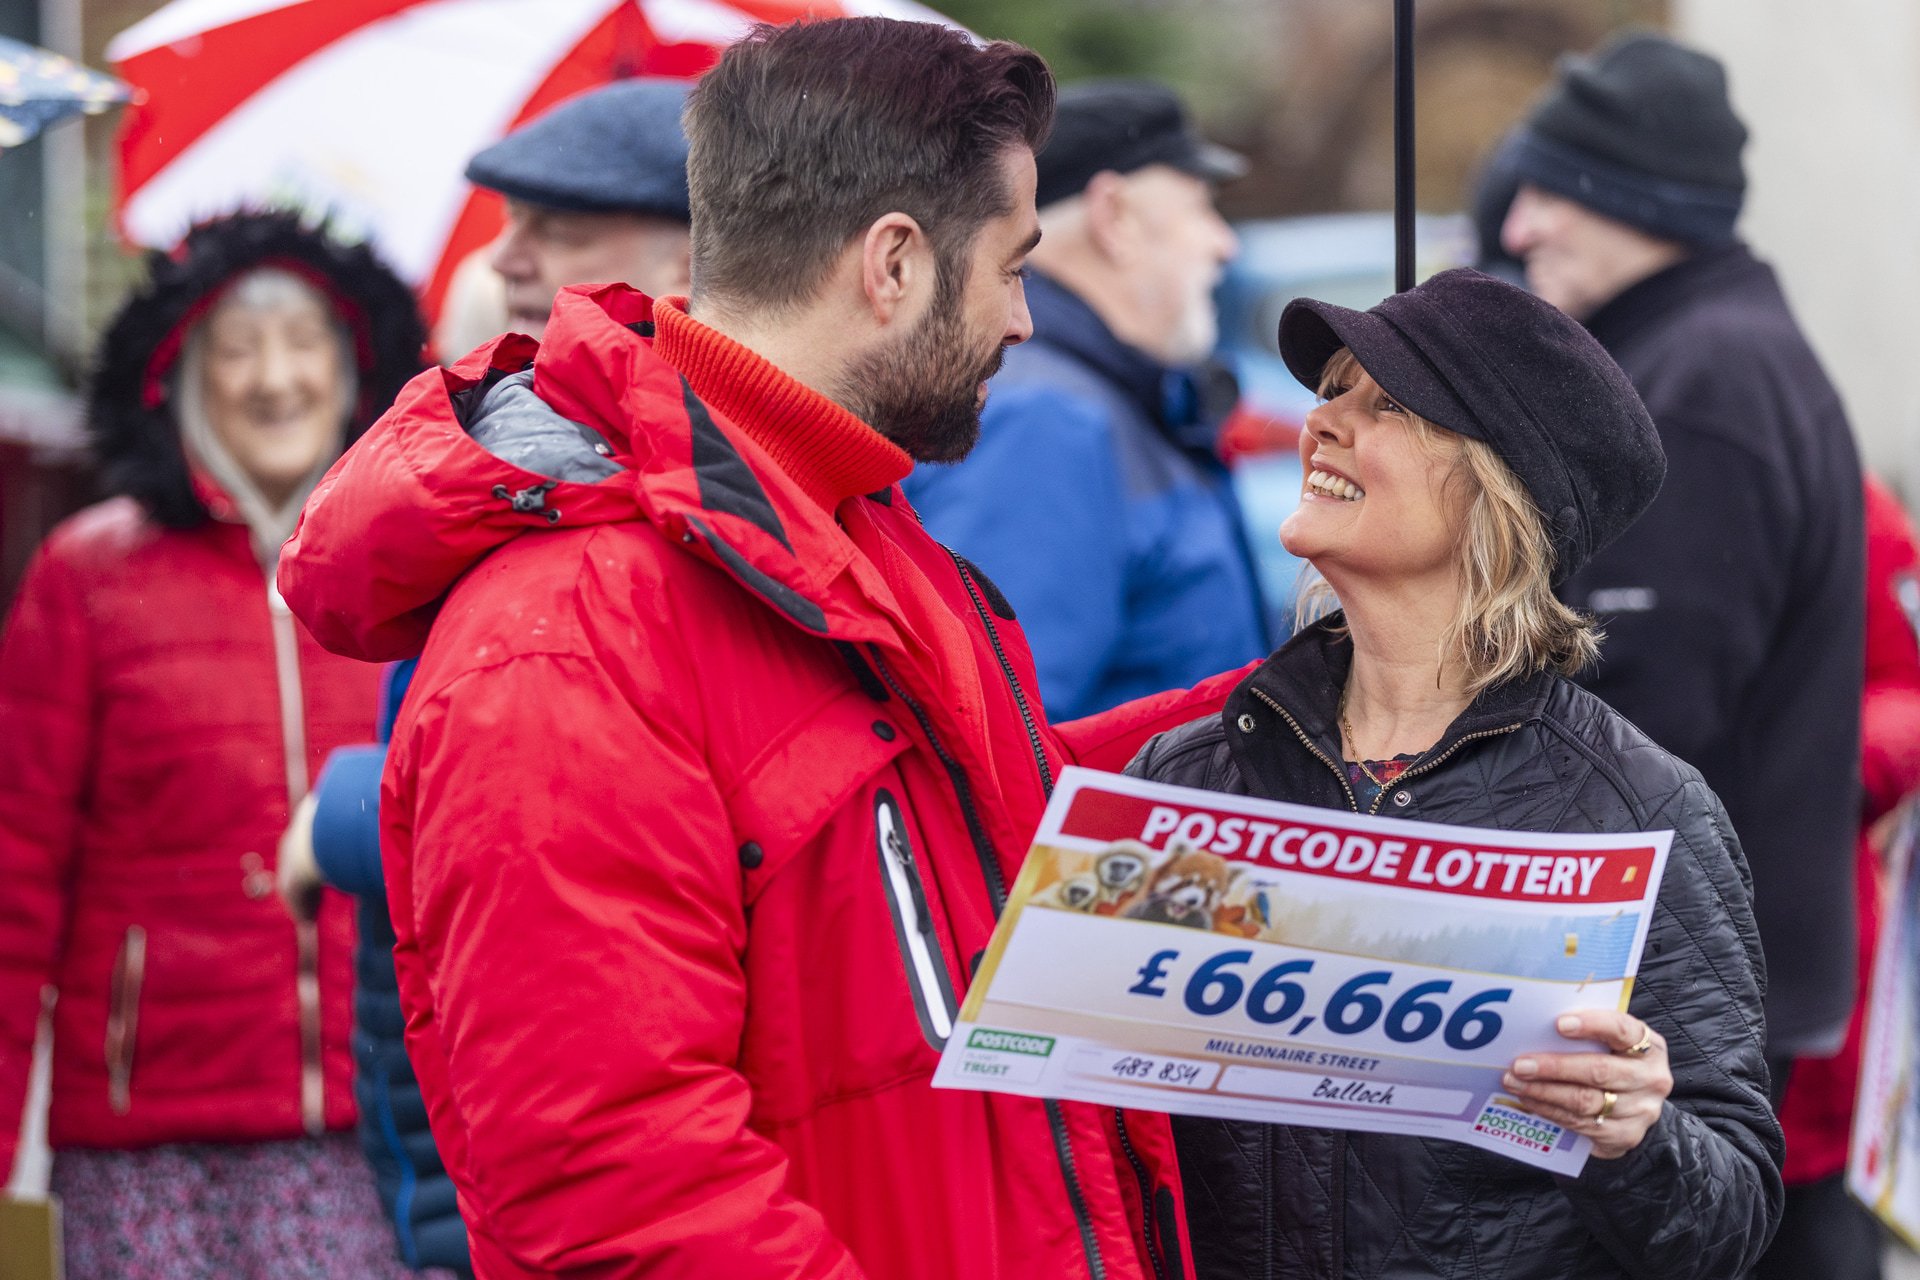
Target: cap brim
<point>1213,162</point>
<point>514,185</point>
<point>1311,332</point>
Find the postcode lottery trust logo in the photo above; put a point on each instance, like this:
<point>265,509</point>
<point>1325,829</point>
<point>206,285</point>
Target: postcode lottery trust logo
<point>1011,1042</point>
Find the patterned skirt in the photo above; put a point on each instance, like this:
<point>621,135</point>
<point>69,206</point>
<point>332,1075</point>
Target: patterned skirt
<point>303,1210</point>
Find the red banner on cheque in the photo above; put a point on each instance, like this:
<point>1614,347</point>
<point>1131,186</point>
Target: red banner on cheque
<point>1479,870</point>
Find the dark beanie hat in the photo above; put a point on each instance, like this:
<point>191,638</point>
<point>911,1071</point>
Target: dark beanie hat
<point>1479,357</point>
<point>1643,132</point>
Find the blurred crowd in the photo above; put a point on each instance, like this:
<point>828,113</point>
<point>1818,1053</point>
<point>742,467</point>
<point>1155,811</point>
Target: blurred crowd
<point>445,846</point>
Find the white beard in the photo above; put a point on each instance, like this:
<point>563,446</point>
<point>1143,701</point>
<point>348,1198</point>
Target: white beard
<point>1194,337</point>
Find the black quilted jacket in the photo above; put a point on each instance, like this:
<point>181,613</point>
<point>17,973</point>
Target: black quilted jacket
<point>1697,1200</point>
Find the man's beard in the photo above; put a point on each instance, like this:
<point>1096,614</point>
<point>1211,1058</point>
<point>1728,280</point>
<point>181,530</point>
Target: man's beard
<point>1198,328</point>
<point>923,392</point>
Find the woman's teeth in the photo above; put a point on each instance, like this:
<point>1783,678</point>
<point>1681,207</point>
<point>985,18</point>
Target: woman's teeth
<point>1334,487</point>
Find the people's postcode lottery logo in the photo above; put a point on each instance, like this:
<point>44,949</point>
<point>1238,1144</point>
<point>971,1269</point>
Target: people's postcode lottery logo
<point>1501,1120</point>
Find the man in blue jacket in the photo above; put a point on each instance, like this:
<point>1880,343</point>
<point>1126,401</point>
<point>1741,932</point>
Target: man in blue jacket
<point>596,190</point>
<point>1094,497</point>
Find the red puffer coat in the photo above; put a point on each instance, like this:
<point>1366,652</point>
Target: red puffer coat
<point>693,757</point>
<point>143,787</point>
<point>1817,1114</point>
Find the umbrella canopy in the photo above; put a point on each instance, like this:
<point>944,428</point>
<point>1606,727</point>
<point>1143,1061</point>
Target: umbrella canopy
<point>369,109</point>
<point>38,87</point>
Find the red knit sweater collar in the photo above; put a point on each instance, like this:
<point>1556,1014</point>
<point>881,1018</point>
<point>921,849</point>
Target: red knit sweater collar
<point>831,454</point>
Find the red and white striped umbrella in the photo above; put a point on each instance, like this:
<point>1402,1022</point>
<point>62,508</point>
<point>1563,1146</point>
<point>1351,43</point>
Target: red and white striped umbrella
<point>370,109</point>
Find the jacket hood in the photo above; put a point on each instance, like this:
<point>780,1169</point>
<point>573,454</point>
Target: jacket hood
<point>130,417</point>
<point>589,427</point>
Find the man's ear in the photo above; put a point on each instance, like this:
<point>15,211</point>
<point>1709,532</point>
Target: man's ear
<point>1112,228</point>
<point>894,255</point>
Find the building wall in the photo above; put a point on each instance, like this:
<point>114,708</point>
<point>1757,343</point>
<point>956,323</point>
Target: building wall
<point>1306,89</point>
<point>1831,93</point>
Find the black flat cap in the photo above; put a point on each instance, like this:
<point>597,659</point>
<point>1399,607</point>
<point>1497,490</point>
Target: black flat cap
<point>1479,357</point>
<point>1124,125</point>
<point>617,149</point>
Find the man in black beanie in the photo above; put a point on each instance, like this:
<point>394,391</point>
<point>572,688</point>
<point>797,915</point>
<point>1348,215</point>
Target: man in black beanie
<point>1734,608</point>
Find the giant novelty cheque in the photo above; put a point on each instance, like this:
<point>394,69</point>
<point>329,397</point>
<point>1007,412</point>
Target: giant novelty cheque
<point>1178,950</point>
<point>1883,1156</point>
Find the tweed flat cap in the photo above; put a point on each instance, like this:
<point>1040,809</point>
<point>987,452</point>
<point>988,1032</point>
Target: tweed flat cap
<point>1479,357</point>
<point>617,149</point>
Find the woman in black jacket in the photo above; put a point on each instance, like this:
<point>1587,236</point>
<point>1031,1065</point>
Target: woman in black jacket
<point>1473,447</point>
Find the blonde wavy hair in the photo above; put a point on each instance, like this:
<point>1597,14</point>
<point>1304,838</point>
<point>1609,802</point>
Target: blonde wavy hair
<point>1508,624</point>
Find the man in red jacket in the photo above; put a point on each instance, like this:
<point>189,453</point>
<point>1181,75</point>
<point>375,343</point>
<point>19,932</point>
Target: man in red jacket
<point>716,768</point>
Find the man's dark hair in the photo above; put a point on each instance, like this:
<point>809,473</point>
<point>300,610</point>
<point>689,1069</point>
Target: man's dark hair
<point>804,134</point>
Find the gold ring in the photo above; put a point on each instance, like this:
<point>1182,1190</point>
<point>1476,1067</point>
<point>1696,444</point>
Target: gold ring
<point>1607,1098</point>
<point>1640,1049</point>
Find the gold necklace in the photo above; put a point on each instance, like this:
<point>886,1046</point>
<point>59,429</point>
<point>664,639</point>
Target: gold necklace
<point>1351,743</point>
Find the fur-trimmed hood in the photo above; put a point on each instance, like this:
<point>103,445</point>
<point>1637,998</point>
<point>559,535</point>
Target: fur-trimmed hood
<point>130,418</point>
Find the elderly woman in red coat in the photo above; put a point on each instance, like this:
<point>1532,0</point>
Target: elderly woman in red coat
<point>160,714</point>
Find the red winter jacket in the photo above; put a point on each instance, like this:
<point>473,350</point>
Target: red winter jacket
<point>1817,1114</point>
<point>143,789</point>
<point>691,754</point>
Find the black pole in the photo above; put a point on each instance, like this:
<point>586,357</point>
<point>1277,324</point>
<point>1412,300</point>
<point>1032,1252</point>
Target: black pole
<point>1402,145</point>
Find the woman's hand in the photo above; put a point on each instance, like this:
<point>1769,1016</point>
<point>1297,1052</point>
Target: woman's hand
<point>1614,1097</point>
<point>298,874</point>
<point>1880,835</point>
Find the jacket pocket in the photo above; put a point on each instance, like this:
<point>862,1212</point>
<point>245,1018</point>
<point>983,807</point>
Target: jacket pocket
<point>813,771</point>
<point>913,929</point>
<point>123,1017</point>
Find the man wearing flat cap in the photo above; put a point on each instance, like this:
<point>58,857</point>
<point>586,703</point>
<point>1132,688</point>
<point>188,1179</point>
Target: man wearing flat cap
<point>1094,497</point>
<point>596,192</point>
<point>1733,609</point>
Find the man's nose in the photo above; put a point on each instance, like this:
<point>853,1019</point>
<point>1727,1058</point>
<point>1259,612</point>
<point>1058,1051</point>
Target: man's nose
<point>510,258</point>
<point>1227,243</point>
<point>1020,324</point>
<point>1517,228</point>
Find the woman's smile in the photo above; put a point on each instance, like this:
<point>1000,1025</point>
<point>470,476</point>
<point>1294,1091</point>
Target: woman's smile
<point>1326,483</point>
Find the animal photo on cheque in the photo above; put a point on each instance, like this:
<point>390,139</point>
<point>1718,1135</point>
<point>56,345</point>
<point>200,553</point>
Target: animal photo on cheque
<point>1178,886</point>
<point>1098,885</point>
